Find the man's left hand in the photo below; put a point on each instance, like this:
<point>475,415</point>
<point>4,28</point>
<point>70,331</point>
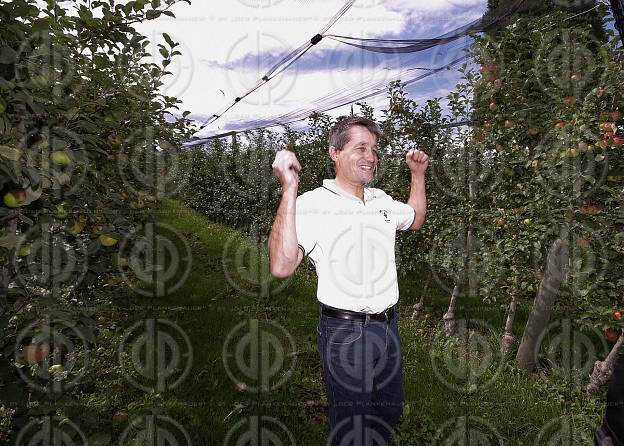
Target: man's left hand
<point>417,161</point>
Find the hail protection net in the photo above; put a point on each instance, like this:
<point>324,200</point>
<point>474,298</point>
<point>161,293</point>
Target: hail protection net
<point>381,61</point>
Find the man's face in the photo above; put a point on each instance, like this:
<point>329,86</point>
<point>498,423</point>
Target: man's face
<point>357,161</point>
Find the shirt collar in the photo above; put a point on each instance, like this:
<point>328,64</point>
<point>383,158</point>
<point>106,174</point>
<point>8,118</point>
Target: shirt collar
<point>330,184</point>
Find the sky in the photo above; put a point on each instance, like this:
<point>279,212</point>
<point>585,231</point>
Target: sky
<point>228,46</point>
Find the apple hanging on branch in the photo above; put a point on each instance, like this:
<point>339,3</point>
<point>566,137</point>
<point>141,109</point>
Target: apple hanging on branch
<point>15,197</point>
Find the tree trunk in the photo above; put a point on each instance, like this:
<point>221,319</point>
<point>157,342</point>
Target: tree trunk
<point>509,340</point>
<point>603,369</point>
<point>9,269</point>
<point>419,306</point>
<point>450,326</point>
<point>542,307</point>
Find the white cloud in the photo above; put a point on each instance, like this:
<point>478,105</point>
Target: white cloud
<point>212,36</point>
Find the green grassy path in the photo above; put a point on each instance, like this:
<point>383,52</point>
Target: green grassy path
<point>221,295</point>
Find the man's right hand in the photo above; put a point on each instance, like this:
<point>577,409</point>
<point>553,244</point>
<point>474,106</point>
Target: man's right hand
<point>286,168</point>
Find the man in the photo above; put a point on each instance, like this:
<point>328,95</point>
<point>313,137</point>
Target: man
<point>348,232</point>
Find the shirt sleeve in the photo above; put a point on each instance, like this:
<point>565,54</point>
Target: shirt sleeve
<point>306,227</point>
<point>403,214</point>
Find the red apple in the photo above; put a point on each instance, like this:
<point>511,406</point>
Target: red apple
<point>498,82</point>
<point>560,125</point>
<point>569,100</point>
<point>611,335</point>
<point>617,314</point>
<point>35,353</point>
<point>508,122</point>
<point>493,105</point>
<point>589,209</point>
<point>618,141</point>
<point>120,416</point>
<point>575,78</point>
<point>583,146</point>
<point>616,115</point>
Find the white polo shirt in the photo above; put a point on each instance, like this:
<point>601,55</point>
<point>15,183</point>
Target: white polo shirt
<point>351,245</point>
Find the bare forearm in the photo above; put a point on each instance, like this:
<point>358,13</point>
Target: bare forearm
<point>283,247</point>
<point>418,199</point>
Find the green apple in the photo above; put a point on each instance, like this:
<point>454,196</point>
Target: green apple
<point>14,198</point>
<point>56,368</point>
<point>24,250</point>
<point>61,212</point>
<point>60,158</point>
<point>107,240</point>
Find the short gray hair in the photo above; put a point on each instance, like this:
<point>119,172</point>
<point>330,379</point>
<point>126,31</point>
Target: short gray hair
<point>339,133</point>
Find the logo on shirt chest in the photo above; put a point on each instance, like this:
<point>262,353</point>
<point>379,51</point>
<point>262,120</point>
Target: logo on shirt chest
<point>385,215</point>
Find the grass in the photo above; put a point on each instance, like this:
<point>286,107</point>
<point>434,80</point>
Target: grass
<point>512,406</point>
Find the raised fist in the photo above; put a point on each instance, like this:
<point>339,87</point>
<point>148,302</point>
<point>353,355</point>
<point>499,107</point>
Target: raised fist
<point>286,168</point>
<point>417,161</point>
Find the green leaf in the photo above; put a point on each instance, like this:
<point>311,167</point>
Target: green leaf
<point>7,55</point>
<point>10,241</point>
<point>168,40</point>
<point>153,14</point>
<point>10,153</point>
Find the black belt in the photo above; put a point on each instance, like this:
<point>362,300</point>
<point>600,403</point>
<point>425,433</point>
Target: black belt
<point>355,316</point>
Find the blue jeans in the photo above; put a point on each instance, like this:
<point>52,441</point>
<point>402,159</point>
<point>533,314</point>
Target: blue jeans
<point>362,371</point>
